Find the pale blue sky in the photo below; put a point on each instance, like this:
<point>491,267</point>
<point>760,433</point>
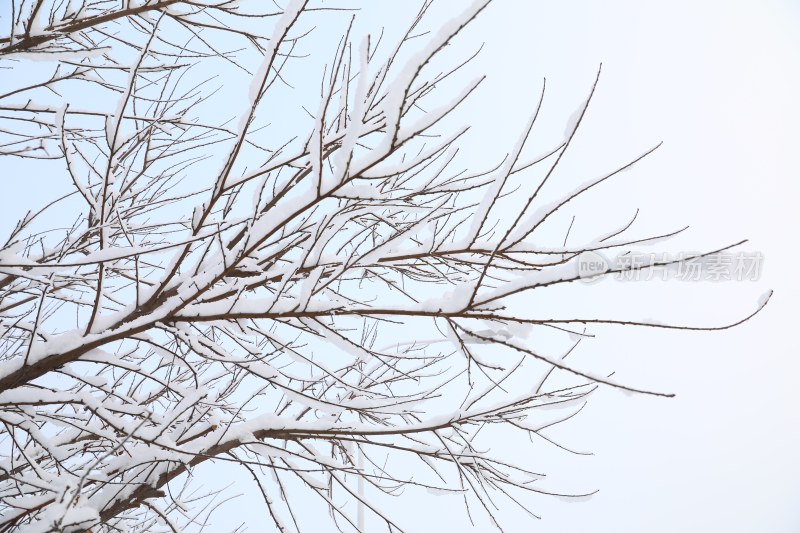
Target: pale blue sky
<point>717,82</point>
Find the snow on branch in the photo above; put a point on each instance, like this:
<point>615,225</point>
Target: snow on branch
<point>301,282</point>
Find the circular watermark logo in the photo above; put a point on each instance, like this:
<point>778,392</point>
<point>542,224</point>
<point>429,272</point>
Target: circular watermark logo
<point>591,266</point>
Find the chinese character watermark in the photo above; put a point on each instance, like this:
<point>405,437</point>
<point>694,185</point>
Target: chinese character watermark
<point>683,266</point>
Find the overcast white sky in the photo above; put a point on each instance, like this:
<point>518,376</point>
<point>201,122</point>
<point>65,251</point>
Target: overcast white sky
<point>717,81</point>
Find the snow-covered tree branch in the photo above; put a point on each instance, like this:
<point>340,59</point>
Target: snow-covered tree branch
<point>301,290</point>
